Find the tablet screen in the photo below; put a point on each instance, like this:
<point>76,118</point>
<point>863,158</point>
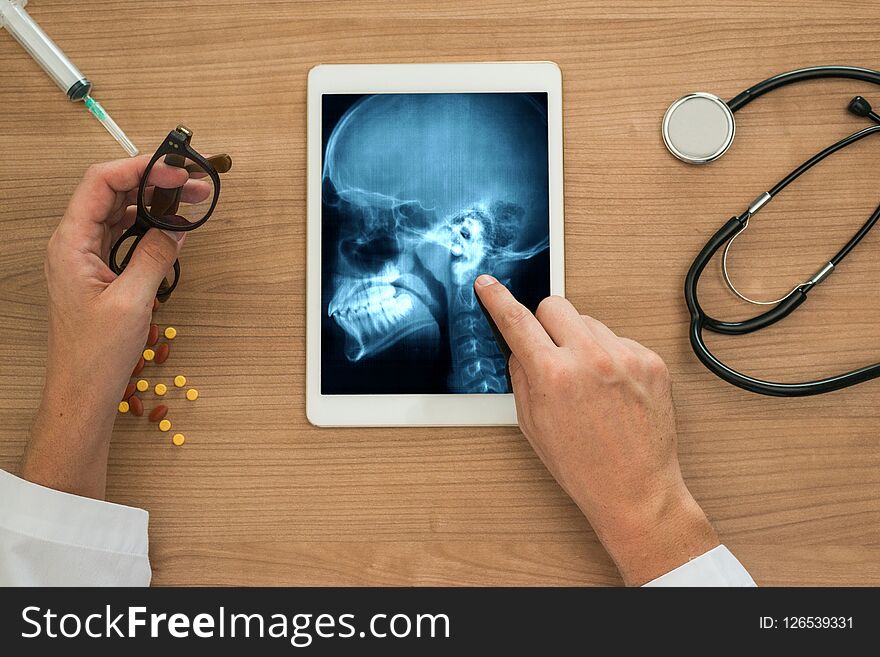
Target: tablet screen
<point>421,193</point>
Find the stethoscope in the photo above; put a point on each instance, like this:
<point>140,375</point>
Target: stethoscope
<point>699,128</point>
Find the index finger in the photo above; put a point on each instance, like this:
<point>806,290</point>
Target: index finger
<point>104,190</point>
<point>522,331</point>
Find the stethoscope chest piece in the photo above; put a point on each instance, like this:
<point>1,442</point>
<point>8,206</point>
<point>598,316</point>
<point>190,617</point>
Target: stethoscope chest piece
<point>698,128</point>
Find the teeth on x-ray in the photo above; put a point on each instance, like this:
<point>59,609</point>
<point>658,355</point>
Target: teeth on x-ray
<point>432,190</point>
<point>370,312</point>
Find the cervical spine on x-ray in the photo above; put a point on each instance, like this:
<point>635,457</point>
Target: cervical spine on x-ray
<point>441,187</point>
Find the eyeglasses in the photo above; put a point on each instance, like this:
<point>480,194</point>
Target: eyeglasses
<point>178,191</point>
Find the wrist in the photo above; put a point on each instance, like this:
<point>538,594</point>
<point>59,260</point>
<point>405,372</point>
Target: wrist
<point>668,530</point>
<point>84,414</point>
<point>70,439</point>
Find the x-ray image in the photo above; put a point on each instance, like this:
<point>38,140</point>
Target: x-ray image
<point>421,194</point>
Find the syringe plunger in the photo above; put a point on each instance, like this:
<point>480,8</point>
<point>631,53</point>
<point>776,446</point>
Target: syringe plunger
<point>38,44</point>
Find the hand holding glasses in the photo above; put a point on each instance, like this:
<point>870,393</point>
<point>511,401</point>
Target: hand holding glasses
<point>178,192</point>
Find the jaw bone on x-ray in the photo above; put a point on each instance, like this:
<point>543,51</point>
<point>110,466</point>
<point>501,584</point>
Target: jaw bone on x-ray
<point>422,193</point>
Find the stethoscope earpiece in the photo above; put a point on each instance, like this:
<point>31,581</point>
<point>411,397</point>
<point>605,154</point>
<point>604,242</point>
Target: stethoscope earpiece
<point>861,107</point>
<point>698,128</point>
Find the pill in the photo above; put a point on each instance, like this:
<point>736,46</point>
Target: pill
<point>158,413</point>
<point>138,367</point>
<point>129,391</point>
<point>153,335</point>
<point>162,353</point>
<point>136,405</point>
<point>161,389</point>
<point>123,407</point>
<point>155,305</point>
<point>180,380</point>
<point>192,394</point>
<point>165,425</point>
<point>149,354</point>
<point>170,332</point>
<point>178,439</point>
<point>143,385</point>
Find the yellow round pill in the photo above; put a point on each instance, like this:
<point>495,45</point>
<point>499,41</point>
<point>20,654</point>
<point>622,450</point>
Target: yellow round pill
<point>161,389</point>
<point>143,385</point>
<point>164,425</point>
<point>149,354</point>
<point>170,332</point>
<point>178,439</point>
<point>123,407</point>
<point>180,380</point>
<point>192,394</point>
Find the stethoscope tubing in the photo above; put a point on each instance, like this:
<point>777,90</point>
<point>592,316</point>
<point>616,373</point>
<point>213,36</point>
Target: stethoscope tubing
<point>700,320</point>
<point>801,75</point>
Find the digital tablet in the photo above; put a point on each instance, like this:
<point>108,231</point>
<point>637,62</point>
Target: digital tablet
<point>420,178</point>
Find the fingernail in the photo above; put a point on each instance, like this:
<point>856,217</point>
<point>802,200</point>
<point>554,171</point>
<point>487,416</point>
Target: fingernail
<point>176,235</point>
<point>484,279</point>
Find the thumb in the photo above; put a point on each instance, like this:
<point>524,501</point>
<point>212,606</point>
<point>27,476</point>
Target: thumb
<point>153,257</point>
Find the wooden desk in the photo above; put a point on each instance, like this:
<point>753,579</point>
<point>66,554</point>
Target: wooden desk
<point>257,495</point>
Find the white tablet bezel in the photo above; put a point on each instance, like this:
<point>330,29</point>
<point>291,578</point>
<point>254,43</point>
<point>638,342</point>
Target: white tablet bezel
<point>419,410</point>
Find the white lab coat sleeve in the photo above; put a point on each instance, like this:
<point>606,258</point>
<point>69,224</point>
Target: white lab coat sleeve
<point>717,567</point>
<point>50,538</point>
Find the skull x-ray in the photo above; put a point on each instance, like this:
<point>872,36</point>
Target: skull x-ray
<point>421,193</point>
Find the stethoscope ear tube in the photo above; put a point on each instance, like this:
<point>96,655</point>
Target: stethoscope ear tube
<point>782,309</point>
<point>700,321</point>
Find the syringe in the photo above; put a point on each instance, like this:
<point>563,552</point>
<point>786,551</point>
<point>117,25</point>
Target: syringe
<point>49,56</point>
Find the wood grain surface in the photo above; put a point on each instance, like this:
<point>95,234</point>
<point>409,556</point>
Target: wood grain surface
<point>257,495</point>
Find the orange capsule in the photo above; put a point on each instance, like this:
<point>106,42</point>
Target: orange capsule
<point>153,335</point>
<point>139,366</point>
<point>129,391</point>
<point>162,353</point>
<point>136,405</point>
<point>158,413</point>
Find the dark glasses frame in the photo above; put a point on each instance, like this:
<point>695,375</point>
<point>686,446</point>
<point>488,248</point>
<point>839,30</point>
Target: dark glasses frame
<point>176,150</point>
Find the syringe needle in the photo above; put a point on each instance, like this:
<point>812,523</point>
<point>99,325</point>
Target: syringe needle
<point>100,114</point>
